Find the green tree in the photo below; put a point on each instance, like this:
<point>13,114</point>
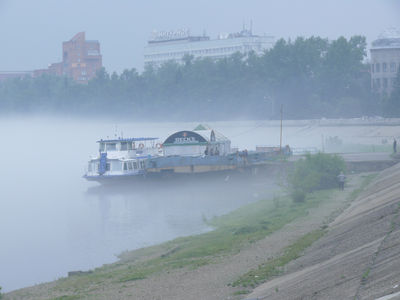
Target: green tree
<point>312,77</point>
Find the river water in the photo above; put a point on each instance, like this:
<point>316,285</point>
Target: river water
<point>52,221</point>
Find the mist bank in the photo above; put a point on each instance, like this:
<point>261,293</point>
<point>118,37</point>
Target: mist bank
<point>311,78</point>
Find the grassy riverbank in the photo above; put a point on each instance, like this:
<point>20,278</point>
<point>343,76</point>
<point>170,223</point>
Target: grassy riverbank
<point>232,233</point>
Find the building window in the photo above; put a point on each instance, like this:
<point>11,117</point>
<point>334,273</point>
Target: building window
<point>377,68</point>
<point>384,67</point>
<point>385,83</point>
<point>393,82</point>
<point>93,52</point>
<point>393,67</point>
<point>378,83</point>
<point>373,68</point>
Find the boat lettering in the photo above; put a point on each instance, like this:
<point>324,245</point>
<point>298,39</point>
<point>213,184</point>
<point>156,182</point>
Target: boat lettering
<point>184,140</point>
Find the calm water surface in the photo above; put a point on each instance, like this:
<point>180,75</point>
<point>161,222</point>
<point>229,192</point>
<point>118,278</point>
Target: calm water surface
<point>52,221</point>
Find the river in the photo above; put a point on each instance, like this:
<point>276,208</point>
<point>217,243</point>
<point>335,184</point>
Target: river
<point>53,221</point>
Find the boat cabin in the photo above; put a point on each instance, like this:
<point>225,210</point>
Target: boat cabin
<point>201,141</point>
<point>122,156</point>
<point>138,145</point>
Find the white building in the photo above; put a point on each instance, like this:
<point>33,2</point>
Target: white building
<point>385,61</point>
<point>173,46</point>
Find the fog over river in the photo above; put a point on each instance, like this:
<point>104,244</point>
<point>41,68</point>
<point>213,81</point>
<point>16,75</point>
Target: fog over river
<point>53,221</point>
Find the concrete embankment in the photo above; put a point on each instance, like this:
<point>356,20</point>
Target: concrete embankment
<point>359,256</point>
<point>355,163</point>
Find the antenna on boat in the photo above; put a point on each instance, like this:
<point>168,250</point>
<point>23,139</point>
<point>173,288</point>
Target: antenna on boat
<point>116,131</point>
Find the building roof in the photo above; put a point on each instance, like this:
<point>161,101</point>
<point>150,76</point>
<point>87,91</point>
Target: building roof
<point>206,131</point>
<point>202,134</point>
<point>140,139</point>
<point>389,38</point>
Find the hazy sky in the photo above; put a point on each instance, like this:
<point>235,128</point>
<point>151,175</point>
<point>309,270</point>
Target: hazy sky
<point>31,32</point>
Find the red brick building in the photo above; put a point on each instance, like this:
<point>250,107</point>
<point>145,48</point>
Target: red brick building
<point>81,59</point>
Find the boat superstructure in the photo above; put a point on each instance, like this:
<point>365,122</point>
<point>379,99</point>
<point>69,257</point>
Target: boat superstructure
<point>202,150</point>
<point>122,157</point>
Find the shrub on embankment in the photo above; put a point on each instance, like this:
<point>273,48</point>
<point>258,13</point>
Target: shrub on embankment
<point>314,172</point>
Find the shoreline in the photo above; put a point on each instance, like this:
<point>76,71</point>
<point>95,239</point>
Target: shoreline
<point>187,259</point>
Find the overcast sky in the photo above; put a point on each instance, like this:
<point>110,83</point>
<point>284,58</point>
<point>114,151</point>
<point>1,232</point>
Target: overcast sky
<point>32,31</point>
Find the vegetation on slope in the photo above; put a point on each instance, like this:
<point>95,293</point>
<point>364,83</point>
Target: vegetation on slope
<point>314,172</point>
<point>232,232</point>
<point>275,266</point>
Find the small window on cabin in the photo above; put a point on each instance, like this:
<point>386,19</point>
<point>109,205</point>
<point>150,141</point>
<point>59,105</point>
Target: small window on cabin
<point>130,166</point>
<point>124,146</point>
<point>108,167</point>
<point>135,165</point>
<point>142,164</point>
<point>125,166</point>
<point>102,147</point>
<point>129,145</point>
<point>111,147</point>
<point>90,167</point>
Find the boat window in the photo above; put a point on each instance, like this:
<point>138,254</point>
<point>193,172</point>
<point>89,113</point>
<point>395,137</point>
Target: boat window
<point>129,146</point>
<point>125,166</point>
<point>135,165</point>
<point>90,167</point>
<point>124,146</point>
<point>102,147</point>
<point>142,164</point>
<point>116,165</point>
<point>107,167</point>
<point>111,147</point>
<point>130,165</point>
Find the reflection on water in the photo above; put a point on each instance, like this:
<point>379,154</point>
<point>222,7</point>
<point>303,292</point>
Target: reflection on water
<point>52,221</point>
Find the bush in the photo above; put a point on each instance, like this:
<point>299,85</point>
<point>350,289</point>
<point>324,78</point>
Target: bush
<point>298,195</point>
<point>315,172</point>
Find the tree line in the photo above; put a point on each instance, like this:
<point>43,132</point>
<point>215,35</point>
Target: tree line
<point>311,77</point>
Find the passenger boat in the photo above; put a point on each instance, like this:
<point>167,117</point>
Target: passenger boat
<point>122,157</point>
<point>199,151</point>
